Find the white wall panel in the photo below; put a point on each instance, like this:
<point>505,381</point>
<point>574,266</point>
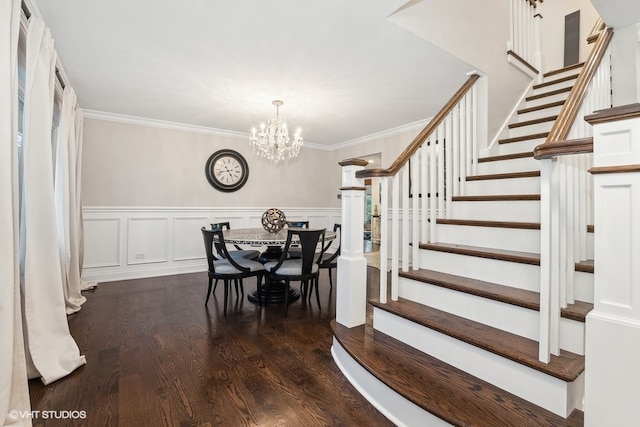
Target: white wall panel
<point>104,233</point>
<point>187,238</point>
<point>147,240</point>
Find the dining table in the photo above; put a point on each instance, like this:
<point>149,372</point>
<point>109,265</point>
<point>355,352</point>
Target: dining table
<point>273,244</point>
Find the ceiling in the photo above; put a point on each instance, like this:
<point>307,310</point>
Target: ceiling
<point>342,69</point>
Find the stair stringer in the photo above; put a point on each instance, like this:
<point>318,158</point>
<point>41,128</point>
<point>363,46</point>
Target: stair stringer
<point>548,392</point>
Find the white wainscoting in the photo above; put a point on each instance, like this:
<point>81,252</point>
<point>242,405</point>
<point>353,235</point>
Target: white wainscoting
<point>133,242</point>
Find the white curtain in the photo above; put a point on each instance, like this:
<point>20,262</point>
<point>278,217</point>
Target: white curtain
<point>68,173</point>
<point>14,390</point>
<point>51,351</point>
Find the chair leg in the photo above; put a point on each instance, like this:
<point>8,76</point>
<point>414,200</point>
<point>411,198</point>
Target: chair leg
<point>330,279</point>
<point>317,292</point>
<point>206,301</point>
<point>241,288</point>
<point>226,294</point>
<point>259,289</point>
<point>286,297</point>
<point>215,285</point>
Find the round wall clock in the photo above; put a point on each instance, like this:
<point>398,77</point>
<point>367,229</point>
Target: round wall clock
<point>227,170</point>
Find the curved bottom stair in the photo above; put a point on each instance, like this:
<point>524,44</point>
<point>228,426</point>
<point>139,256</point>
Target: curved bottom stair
<point>441,390</point>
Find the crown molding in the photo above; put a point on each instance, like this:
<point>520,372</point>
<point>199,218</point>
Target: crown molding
<point>143,121</point>
<point>162,124</point>
<point>413,126</point>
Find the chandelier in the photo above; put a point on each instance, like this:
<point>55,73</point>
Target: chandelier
<point>273,141</point>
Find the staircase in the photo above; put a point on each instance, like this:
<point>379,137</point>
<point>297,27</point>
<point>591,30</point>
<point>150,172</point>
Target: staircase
<point>459,346</point>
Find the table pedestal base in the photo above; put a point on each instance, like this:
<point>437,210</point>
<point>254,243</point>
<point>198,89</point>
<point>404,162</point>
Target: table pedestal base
<point>275,294</point>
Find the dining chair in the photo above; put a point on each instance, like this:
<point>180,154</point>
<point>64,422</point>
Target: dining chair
<point>294,250</point>
<point>228,268</point>
<point>329,260</point>
<point>304,270</point>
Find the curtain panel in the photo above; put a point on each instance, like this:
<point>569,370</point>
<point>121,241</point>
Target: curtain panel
<point>51,351</point>
<point>68,173</point>
<point>14,389</point>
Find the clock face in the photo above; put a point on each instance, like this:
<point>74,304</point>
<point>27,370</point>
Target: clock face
<point>227,170</point>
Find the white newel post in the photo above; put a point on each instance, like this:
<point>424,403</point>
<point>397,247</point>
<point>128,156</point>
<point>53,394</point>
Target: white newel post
<point>612,377</point>
<point>351,295</point>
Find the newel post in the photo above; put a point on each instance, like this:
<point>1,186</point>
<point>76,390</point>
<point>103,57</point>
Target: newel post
<point>351,296</point>
<point>612,377</point>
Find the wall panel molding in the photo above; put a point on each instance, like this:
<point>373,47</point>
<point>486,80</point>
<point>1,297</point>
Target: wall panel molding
<point>161,241</point>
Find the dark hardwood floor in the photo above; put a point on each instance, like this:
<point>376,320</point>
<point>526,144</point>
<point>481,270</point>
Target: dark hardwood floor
<point>157,357</point>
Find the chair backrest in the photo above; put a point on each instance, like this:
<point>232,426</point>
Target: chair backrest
<point>207,236</point>
<point>222,226</point>
<point>216,238</point>
<point>298,224</point>
<point>308,241</point>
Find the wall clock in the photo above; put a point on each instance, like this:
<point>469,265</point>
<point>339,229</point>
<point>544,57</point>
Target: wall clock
<point>227,170</point>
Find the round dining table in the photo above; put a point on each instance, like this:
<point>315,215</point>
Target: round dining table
<point>274,243</point>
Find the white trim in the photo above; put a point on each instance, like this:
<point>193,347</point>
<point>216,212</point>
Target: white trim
<point>417,125</point>
<point>144,121</point>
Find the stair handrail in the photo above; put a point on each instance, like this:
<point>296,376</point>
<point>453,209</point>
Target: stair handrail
<point>568,113</point>
<point>433,124</point>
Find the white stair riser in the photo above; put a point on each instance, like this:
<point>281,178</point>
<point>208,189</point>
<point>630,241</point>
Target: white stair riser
<point>556,85</point>
<point>545,100</point>
<point>485,187</point>
<point>523,210</point>
<point>527,145</point>
<point>507,317</point>
<point>530,129</point>
<point>538,114</point>
<point>507,166</point>
<point>523,240</point>
<point>543,390</point>
<point>583,286</point>
<point>515,274</point>
<point>565,73</point>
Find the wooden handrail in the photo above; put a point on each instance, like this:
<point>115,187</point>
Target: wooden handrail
<point>569,112</point>
<point>598,27</point>
<point>423,135</point>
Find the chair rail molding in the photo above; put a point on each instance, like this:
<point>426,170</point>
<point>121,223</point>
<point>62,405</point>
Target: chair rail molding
<point>122,242</point>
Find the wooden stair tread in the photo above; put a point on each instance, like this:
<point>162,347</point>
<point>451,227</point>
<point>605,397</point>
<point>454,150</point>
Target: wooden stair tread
<point>494,224</point>
<point>533,122</point>
<point>439,388</point>
<point>586,266</point>
<point>555,81</point>
<point>567,366</point>
<point>523,155</point>
<point>550,93</point>
<point>501,293</point>
<point>498,254</point>
<point>541,107</point>
<point>563,69</point>
<point>523,138</point>
<point>496,198</point>
<point>508,175</point>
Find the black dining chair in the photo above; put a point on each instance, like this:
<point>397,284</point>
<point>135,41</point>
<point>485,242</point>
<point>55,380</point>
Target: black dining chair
<point>228,268</point>
<point>329,260</point>
<point>294,250</point>
<point>304,270</point>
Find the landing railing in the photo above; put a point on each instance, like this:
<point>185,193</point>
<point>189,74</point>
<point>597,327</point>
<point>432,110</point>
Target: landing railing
<point>566,190</point>
<point>524,43</point>
<point>421,182</point>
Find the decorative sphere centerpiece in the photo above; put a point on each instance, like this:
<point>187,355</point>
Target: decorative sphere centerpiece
<point>273,220</point>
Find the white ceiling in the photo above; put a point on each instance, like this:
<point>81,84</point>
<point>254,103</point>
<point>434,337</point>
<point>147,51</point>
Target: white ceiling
<point>343,70</point>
